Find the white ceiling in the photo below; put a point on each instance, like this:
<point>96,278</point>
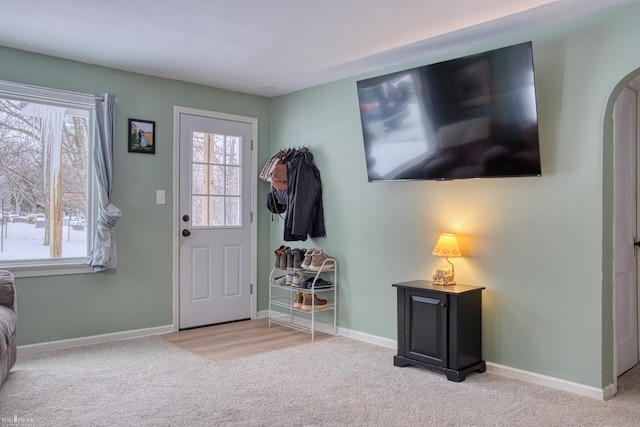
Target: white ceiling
<point>267,47</point>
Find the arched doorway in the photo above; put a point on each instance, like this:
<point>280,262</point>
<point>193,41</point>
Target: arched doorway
<point>624,106</point>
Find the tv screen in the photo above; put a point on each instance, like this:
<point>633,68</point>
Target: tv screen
<point>469,117</point>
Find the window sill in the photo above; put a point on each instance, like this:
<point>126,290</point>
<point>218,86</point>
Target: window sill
<point>25,269</point>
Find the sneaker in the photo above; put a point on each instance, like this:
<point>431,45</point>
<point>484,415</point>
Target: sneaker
<point>278,253</point>
<point>308,256</point>
<point>297,280</point>
<point>297,303</point>
<point>294,279</point>
<point>313,283</point>
<point>321,262</point>
<point>318,304</point>
<point>307,282</point>
<point>298,255</point>
<point>320,284</point>
<point>280,281</point>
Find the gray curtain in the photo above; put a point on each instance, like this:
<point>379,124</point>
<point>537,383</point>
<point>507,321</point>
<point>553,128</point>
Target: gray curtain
<point>103,257</point>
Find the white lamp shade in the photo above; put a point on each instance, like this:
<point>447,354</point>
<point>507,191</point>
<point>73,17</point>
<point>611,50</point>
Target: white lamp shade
<point>447,246</point>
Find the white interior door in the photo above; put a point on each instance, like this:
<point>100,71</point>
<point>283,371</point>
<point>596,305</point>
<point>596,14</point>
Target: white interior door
<point>625,188</point>
<point>215,220</point>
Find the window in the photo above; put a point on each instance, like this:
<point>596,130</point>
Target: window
<point>216,171</point>
<point>45,136</point>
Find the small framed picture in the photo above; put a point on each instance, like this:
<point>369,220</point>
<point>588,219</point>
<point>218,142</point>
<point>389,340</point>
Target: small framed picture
<point>142,136</point>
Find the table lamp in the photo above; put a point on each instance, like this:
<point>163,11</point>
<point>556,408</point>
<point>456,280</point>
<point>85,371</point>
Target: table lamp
<point>446,247</point>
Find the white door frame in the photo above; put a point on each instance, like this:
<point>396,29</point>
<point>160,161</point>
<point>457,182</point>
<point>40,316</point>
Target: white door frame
<point>253,121</point>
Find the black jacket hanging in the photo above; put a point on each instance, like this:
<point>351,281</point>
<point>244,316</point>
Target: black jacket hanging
<point>305,211</point>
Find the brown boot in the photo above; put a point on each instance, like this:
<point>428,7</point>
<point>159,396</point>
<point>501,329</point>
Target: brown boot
<point>318,304</point>
<point>297,303</point>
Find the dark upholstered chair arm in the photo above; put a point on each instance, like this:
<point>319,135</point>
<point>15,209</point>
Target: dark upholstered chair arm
<point>7,290</point>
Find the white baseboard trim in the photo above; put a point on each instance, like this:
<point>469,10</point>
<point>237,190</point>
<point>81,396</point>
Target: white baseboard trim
<point>551,382</point>
<point>94,339</point>
<point>368,338</point>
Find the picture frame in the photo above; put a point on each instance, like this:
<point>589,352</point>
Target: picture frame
<point>142,136</point>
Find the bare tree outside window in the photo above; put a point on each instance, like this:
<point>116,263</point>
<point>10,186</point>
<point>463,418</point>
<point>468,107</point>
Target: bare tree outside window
<point>43,180</point>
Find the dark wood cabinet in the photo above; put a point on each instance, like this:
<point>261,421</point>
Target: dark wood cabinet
<point>440,328</point>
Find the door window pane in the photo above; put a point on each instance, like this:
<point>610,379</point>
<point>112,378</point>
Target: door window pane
<point>218,180</point>
<point>234,151</point>
<point>217,211</point>
<point>232,211</point>
<point>199,179</point>
<point>199,211</point>
<point>198,147</point>
<point>233,181</point>
<point>217,149</point>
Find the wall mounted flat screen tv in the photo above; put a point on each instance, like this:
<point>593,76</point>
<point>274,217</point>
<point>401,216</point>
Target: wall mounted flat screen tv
<point>470,117</point>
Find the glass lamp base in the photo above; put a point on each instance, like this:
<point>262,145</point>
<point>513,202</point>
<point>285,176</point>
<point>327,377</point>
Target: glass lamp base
<point>444,276</point>
<point>443,283</point>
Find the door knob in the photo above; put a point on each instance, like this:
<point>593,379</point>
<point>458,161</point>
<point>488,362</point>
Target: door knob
<point>186,233</point>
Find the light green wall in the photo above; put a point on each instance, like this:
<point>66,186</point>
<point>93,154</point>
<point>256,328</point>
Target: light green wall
<point>539,245</point>
<point>140,294</point>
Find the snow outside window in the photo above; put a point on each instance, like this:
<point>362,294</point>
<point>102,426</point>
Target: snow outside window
<point>45,140</point>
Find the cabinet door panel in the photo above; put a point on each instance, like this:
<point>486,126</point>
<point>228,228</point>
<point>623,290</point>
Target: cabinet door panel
<point>426,327</point>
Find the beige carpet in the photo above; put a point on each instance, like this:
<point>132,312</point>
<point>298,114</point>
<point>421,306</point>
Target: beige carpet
<point>337,381</point>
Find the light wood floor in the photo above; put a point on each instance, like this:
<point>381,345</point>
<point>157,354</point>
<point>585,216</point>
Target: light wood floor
<point>238,339</point>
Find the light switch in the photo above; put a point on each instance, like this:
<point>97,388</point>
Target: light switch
<point>160,197</point>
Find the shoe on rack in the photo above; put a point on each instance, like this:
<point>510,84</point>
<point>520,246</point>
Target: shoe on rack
<point>278,253</point>
<point>318,304</point>
<point>321,261</point>
<point>280,281</point>
<point>308,257</point>
<point>320,284</point>
<point>294,279</point>
<point>297,280</point>
<point>283,258</point>
<point>289,259</point>
<point>297,303</point>
<point>307,283</point>
<point>298,255</point>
